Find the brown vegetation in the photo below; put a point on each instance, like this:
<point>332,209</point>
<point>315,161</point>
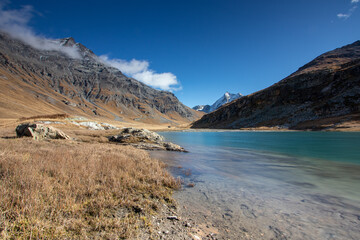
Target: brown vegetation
<point>66,190</point>
<point>49,116</point>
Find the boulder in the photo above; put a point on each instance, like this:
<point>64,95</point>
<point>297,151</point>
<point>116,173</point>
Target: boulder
<point>169,146</point>
<point>144,139</point>
<point>128,135</point>
<point>39,131</point>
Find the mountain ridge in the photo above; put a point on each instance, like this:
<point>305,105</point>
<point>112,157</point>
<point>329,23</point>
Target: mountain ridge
<point>319,95</point>
<point>57,83</point>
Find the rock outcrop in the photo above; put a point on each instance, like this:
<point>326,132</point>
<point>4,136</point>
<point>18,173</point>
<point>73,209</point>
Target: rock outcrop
<point>321,94</point>
<point>39,131</point>
<point>144,139</point>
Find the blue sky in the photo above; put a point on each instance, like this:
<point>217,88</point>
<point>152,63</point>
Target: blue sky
<point>205,47</point>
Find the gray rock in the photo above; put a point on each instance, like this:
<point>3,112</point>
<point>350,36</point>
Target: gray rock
<point>172,218</point>
<point>108,126</point>
<point>138,135</point>
<point>92,125</point>
<point>173,147</point>
<point>39,131</point>
<point>144,139</point>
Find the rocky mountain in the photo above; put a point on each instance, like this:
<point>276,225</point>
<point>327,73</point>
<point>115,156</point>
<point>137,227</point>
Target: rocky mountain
<point>75,81</point>
<point>324,93</point>
<point>202,108</point>
<point>226,98</point>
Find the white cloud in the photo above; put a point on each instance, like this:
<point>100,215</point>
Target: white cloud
<point>164,81</point>
<point>350,12</point>
<point>139,69</point>
<point>127,67</point>
<point>15,23</point>
<point>342,15</point>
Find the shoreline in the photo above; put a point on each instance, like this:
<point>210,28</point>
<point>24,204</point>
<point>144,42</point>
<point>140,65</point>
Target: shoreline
<point>224,130</point>
<point>189,222</point>
<point>353,126</point>
<point>260,129</point>
<point>150,209</point>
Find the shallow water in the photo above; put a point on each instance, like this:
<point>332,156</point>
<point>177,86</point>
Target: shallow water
<point>270,185</point>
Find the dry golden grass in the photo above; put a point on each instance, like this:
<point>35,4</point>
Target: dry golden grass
<point>50,116</point>
<point>69,190</point>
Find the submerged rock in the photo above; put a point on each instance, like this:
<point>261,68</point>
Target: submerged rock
<point>144,139</point>
<point>39,131</point>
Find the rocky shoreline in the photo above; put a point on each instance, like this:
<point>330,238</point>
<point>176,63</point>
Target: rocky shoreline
<point>138,138</point>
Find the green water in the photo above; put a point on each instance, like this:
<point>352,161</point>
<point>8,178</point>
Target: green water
<point>335,146</point>
<point>300,185</point>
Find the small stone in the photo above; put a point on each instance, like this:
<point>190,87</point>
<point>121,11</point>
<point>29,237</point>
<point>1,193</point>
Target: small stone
<point>172,218</point>
<point>196,237</point>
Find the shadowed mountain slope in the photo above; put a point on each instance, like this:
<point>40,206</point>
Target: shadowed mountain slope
<point>321,94</point>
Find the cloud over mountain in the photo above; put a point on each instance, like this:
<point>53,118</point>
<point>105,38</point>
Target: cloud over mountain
<point>139,69</point>
<point>15,22</point>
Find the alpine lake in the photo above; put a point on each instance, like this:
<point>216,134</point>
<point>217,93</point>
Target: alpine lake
<point>269,185</point>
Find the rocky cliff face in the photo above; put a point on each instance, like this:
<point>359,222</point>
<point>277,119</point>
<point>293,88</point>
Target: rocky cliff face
<point>321,94</point>
<point>51,81</point>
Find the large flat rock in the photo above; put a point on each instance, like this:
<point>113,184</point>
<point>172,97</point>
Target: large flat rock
<point>39,131</point>
<point>144,139</point>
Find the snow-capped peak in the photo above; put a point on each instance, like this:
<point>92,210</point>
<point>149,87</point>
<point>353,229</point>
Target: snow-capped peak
<point>226,98</point>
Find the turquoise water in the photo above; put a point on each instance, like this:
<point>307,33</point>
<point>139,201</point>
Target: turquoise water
<point>296,185</point>
<point>335,146</point>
